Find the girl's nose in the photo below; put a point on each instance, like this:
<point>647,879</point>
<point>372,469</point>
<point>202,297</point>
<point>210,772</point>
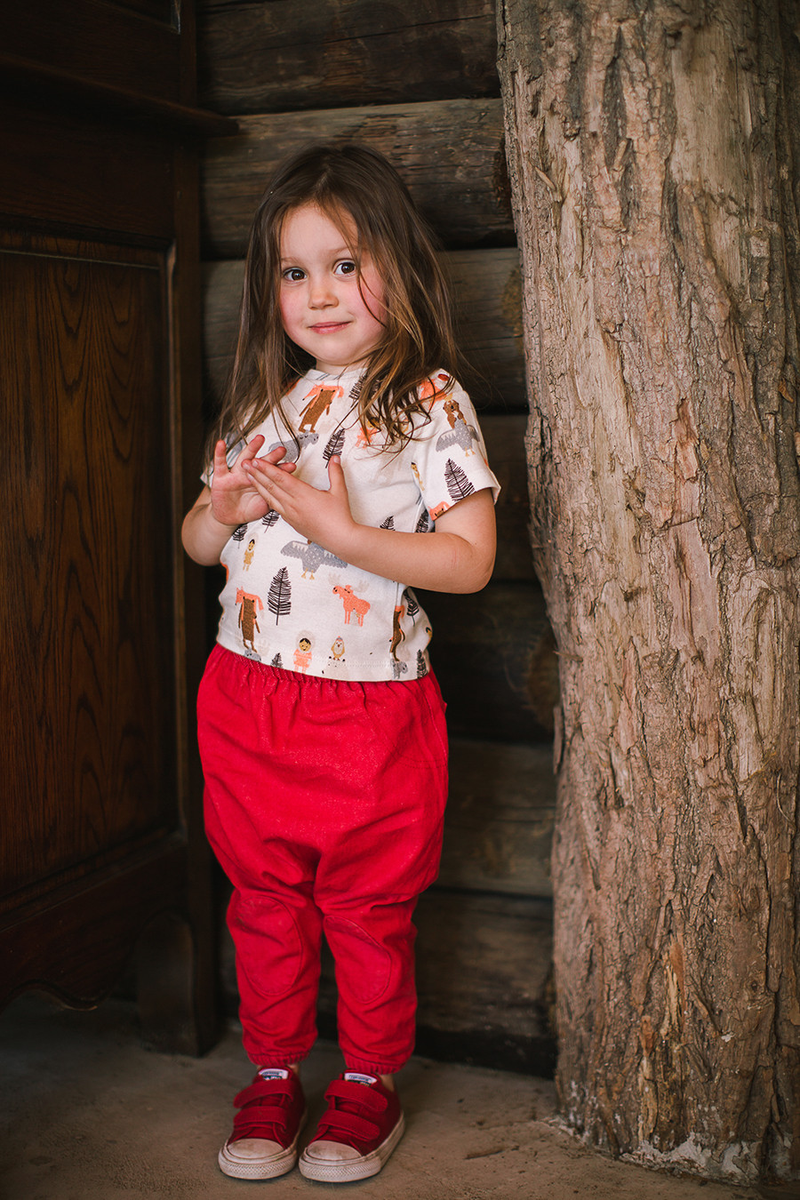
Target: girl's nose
<point>321,293</point>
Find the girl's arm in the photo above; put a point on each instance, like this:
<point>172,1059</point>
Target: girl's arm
<point>231,500</point>
<point>459,558</point>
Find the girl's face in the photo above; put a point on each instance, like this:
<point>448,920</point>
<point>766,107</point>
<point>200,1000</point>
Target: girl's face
<point>328,307</point>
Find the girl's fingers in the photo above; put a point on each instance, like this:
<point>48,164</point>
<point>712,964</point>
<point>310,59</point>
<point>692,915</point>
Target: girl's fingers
<point>336,475</point>
<point>258,477</point>
<point>275,455</point>
<point>252,448</point>
<point>220,457</point>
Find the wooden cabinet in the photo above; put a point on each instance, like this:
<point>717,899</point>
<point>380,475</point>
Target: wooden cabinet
<point>102,853</point>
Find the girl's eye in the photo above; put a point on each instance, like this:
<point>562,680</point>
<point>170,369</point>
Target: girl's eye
<point>347,267</point>
<point>293,274</point>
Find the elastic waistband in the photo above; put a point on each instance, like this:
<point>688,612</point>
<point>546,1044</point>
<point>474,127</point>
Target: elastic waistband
<point>252,666</point>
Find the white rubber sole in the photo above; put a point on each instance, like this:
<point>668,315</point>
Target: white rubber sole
<point>348,1169</point>
<point>259,1168</point>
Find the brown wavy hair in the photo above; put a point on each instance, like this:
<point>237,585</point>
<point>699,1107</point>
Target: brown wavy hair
<point>349,183</point>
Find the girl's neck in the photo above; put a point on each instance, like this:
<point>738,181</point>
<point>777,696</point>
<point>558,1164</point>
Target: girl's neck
<point>355,369</point>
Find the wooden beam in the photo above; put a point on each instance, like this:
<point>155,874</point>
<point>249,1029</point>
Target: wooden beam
<point>45,86</point>
<point>486,288</point>
<point>280,55</point>
<point>505,445</point>
<point>494,655</point>
<point>500,816</point>
<point>450,153</point>
<point>488,296</point>
<point>483,961</point>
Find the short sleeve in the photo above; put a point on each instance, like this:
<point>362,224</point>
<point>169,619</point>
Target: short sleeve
<point>449,454</point>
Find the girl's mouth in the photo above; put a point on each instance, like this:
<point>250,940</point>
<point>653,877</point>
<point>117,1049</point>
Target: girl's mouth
<point>329,326</point>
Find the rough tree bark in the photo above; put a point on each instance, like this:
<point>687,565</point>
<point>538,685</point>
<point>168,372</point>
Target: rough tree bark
<point>653,151</point>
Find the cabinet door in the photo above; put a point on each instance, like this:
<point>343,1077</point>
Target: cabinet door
<point>101,850</point>
<point>87,603</point>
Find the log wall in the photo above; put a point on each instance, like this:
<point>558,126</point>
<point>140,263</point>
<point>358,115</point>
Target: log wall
<point>419,84</point>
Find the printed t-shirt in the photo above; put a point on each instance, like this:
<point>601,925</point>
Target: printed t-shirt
<point>293,604</point>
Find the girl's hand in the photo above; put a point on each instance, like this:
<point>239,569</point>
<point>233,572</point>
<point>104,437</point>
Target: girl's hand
<point>458,557</point>
<point>231,500</point>
<point>234,499</point>
<point>321,516</point>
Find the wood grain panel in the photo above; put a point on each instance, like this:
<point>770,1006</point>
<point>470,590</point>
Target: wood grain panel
<point>450,153</point>
<point>280,55</point>
<point>61,171</point>
<point>87,606</point>
<point>75,943</point>
<point>104,42</point>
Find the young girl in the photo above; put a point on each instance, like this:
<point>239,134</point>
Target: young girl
<point>348,469</point>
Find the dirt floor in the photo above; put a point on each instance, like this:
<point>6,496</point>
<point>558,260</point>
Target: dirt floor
<point>88,1114</point>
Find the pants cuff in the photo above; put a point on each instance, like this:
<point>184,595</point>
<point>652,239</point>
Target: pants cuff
<point>277,1060</point>
<point>368,1066</point>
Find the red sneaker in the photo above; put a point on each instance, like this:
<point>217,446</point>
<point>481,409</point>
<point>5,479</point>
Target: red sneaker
<point>264,1139</point>
<point>354,1138</point>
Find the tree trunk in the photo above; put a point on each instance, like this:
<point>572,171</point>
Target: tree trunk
<point>653,149</point>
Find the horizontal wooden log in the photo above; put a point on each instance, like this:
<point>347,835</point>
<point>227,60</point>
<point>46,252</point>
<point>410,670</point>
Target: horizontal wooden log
<point>494,655</point>
<point>482,960</point>
<point>506,451</point>
<point>450,153</point>
<point>500,815</point>
<point>279,55</point>
<point>483,980</point>
<point>486,289</point>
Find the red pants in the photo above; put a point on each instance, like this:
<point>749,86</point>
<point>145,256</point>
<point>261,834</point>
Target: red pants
<point>324,804</point>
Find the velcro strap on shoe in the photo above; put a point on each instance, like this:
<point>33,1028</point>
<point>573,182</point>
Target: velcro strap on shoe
<point>262,1090</point>
<point>349,1124</point>
<point>356,1093</point>
<point>264,1114</point>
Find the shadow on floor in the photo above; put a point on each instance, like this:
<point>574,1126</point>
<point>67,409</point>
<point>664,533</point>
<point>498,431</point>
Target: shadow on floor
<point>88,1114</point>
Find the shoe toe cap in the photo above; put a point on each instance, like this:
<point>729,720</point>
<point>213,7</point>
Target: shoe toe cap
<point>252,1149</point>
<point>324,1151</point>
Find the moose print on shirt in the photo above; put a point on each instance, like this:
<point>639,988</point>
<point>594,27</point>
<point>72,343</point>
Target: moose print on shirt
<point>431,389</point>
<point>352,603</point>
